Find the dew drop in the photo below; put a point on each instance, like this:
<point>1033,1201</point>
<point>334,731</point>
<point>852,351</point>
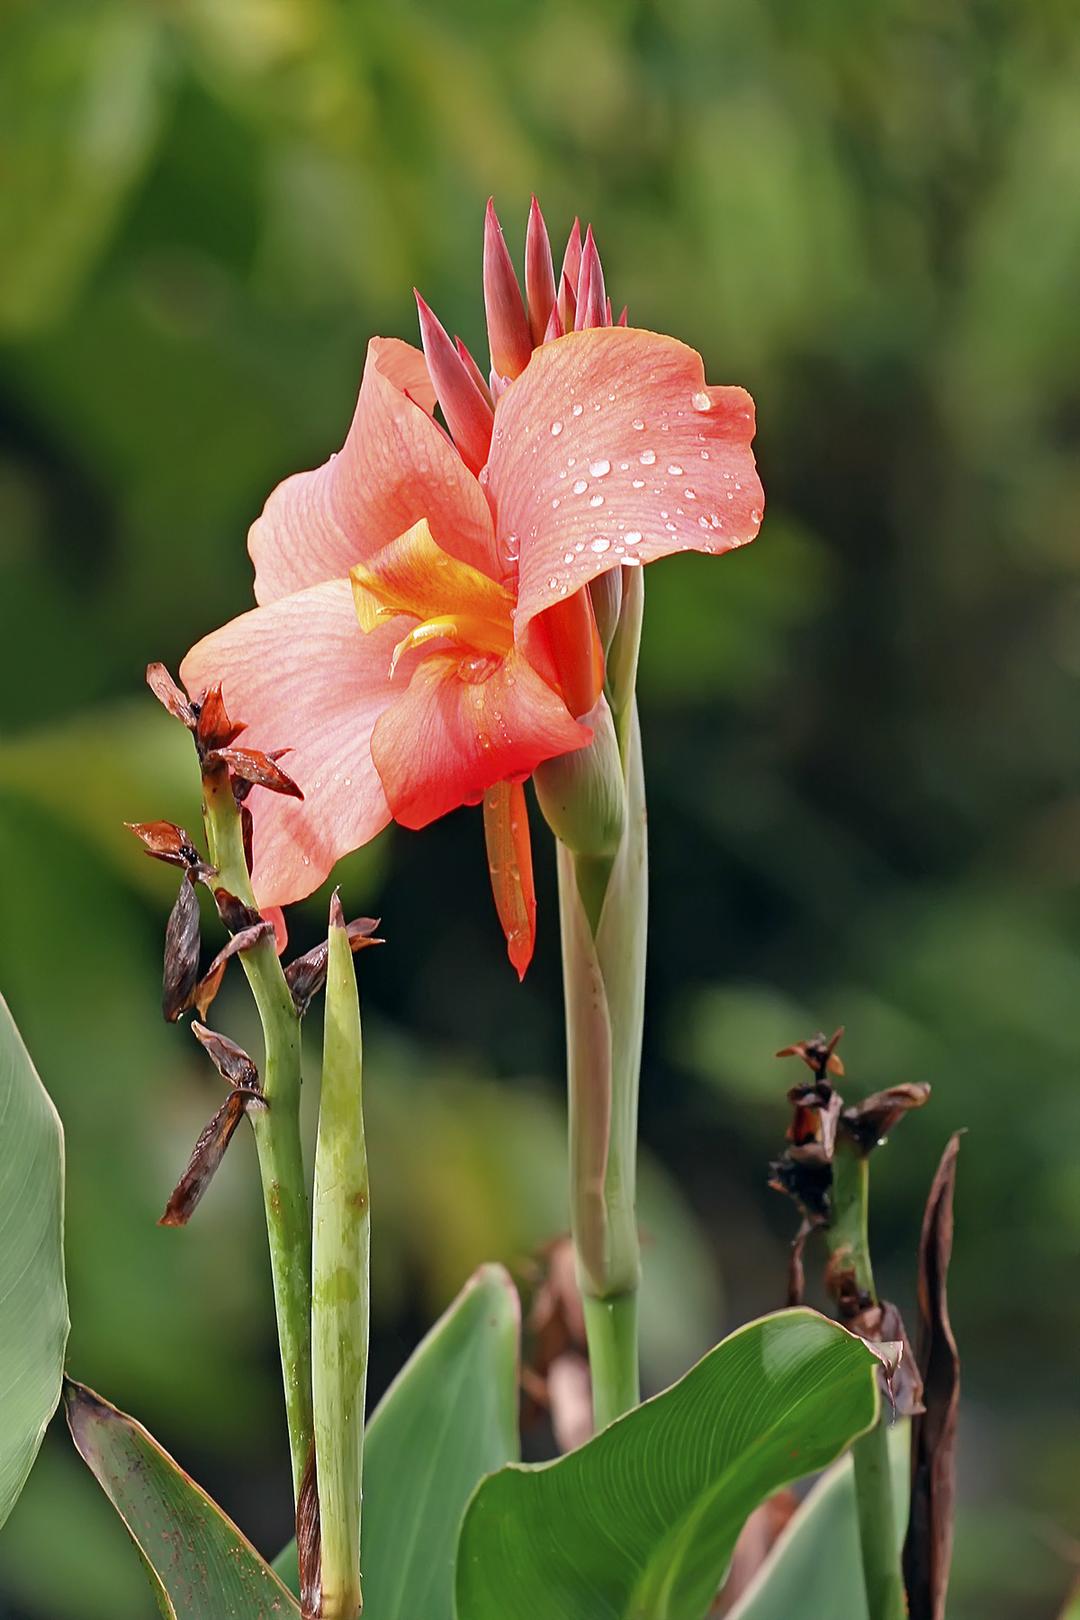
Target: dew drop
<point>569,557</point>
<point>690,494</point>
<point>553,582</point>
<point>596,500</point>
<point>701,402</point>
<point>580,485</point>
<point>601,543</point>
<point>577,410</point>
<point>638,425</point>
<point>672,527</point>
<point>511,546</point>
<point>674,470</point>
<point>555,503</point>
<point>637,483</point>
<point>556,429</point>
<point>755,514</point>
<point>599,469</point>
<point>633,537</point>
<point>647,457</point>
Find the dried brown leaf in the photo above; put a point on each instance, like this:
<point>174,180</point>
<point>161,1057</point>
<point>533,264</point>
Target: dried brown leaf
<point>169,695</point>
<point>257,768</point>
<point>234,913</point>
<point>181,969</point>
<point>165,841</point>
<point>231,1061</point>
<point>306,975</point>
<point>210,983</point>
<point>214,729</point>
<point>818,1052</point>
<point>871,1120</point>
<point>928,1548</point>
<point>207,1155</point>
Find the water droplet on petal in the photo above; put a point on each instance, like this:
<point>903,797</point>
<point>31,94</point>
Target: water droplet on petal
<point>599,469</point>
<point>601,543</point>
<point>596,500</point>
<point>701,401</point>
<point>674,470</point>
<point>647,457</point>
<point>580,486</point>
<point>556,429</point>
<point>577,410</point>
<point>633,537</point>
<point>553,582</point>
<point>637,483</point>
<point>638,424</point>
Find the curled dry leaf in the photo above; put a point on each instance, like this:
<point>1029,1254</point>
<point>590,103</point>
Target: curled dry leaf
<point>257,768</point>
<point>928,1548</point>
<point>208,1153</point>
<point>818,1052</point>
<point>169,695</point>
<point>210,983</point>
<point>231,1061</point>
<point>871,1120</point>
<point>181,969</point>
<point>213,727</point>
<point>234,913</point>
<point>165,841</point>
<point>307,974</point>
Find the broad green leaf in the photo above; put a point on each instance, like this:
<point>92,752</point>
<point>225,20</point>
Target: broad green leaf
<point>815,1566</point>
<point>33,1299</point>
<point>640,1523</point>
<point>449,1418</point>
<point>200,1565</point>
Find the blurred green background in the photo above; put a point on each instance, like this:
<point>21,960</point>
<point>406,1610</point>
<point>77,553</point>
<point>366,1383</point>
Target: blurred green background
<point>861,733</point>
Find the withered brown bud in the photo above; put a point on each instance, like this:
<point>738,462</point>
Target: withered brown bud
<point>210,983</point>
<point>818,1053</point>
<point>169,695</point>
<point>231,1061</point>
<point>208,1153</point>
<point>808,1183</point>
<point>247,834</point>
<point>309,1541</point>
<point>870,1121</point>
<point>181,969</point>
<point>307,974</point>
<point>234,913</point>
<point>214,729</point>
<point>257,768</point>
<point>165,841</point>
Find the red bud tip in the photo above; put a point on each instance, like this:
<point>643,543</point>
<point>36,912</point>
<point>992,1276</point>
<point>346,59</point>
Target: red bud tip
<point>508,327</point>
<point>622,318</point>
<point>468,414</point>
<point>591,297</point>
<point>571,264</point>
<point>567,305</point>
<point>214,728</point>
<point>539,275</point>
<point>554,326</point>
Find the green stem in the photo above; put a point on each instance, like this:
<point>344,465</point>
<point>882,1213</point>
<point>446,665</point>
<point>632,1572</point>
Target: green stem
<point>340,1285</point>
<point>611,1326</point>
<point>848,1239</point>
<point>277,1131</point>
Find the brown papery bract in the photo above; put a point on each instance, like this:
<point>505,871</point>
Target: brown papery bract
<point>181,969</point>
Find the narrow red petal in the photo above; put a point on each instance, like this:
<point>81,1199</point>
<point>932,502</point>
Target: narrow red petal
<point>507,323</point>
<point>591,297</point>
<point>554,328</point>
<point>567,305</point>
<point>571,265</point>
<point>473,369</point>
<point>576,651</point>
<point>468,414</point>
<point>509,853</point>
<point>539,275</point>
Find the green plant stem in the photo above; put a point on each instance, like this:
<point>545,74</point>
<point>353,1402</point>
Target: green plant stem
<point>611,1326</point>
<point>848,1238</point>
<point>277,1131</point>
<point>340,1285</point>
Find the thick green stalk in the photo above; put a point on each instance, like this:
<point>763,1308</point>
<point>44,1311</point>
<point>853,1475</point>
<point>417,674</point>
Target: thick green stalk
<point>277,1131</point>
<point>848,1238</point>
<point>599,821</point>
<point>340,1285</point>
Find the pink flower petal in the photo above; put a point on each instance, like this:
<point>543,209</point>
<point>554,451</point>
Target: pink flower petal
<point>462,726</point>
<point>395,467</point>
<point>611,449</point>
<point>306,678</point>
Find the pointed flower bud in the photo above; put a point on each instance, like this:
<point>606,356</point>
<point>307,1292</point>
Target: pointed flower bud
<point>468,414</point>
<point>507,323</point>
<point>591,297</point>
<point>571,264</point>
<point>583,794</point>
<point>539,274</point>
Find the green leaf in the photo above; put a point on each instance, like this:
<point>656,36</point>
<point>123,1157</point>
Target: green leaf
<point>200,1565</point>
<point>449,1418</point>
<point>33,1298</point>
<point>815,1566</point>
<point>641,1521</point>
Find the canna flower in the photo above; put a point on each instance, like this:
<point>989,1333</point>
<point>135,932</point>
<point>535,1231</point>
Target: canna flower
<point>424,636</point>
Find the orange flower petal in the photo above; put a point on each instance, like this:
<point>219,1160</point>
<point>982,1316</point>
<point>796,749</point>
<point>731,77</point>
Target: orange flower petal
<point>610,448</point>
<point>414,575</point>
<point>463,725</point>
<point>509,853</point>
<point>395,467</point>
<point>301,665</point>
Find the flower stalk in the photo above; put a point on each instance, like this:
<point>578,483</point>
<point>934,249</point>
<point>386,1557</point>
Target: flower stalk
<point>603,903</point>
<point>848,1239</point>
<point>340,1284</point>
<point>276,1127</point>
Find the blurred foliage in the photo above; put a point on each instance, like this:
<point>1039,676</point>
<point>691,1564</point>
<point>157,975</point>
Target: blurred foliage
<point>860,733</point>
